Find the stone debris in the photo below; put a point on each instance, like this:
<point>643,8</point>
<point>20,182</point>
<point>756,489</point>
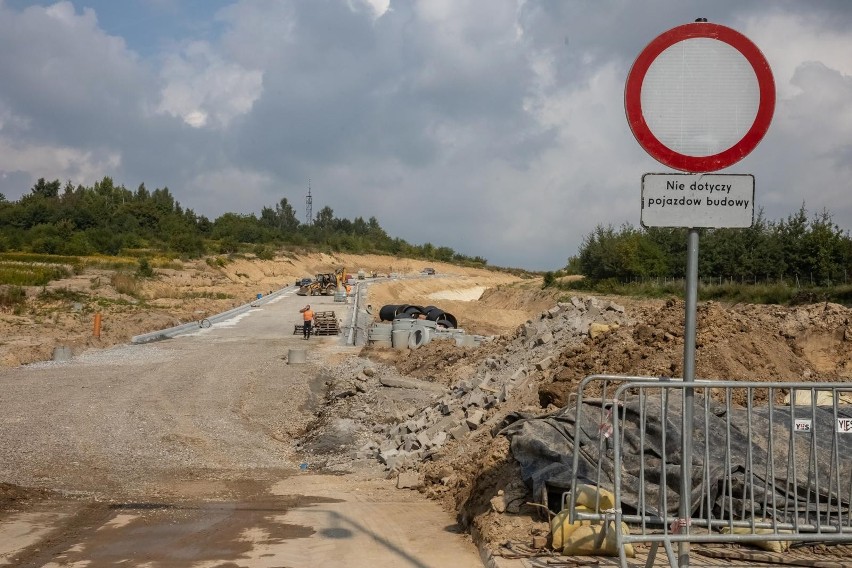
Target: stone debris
<point>408,480</point>
<point>454,412</point>
<point>498,502</point>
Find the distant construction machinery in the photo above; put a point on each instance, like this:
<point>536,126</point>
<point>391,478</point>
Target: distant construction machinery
<point>325,284</point>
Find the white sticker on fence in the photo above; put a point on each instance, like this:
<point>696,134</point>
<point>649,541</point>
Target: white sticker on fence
<point>844,425</point>
<point>803,425</point>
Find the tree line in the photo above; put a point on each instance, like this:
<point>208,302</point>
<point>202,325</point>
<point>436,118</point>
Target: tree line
<point>798,249</point>
<point>109,219</point>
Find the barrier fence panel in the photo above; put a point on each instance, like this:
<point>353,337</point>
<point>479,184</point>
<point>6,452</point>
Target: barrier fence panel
<point>772,461</point>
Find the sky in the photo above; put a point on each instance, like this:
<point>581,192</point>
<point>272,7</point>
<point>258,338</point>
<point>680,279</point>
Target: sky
<point>495,127</point>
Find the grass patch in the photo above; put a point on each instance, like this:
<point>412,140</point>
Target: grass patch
<point>110,262</point>
<point>62,295</point>
<point>13,298</point>
<point>107,302</point>
<point>126,284</point>
<point>217,261</point>
<point>775,293</point>
<point>16,273</point>
<point>37,258</point>
<point>32,269</point>
<point>614,287</point>
<point>753,294</point>
<point>172,263</point>
<point>206,296</point>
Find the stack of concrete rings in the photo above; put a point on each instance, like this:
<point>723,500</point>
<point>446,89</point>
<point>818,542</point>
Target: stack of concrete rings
<point>401,333</point>
<point>379,334</point>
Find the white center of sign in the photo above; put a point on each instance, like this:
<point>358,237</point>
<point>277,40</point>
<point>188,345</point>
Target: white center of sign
<point>700,96</point>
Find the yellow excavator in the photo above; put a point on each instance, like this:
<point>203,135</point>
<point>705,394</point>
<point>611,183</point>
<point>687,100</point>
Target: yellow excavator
<point>325,284</point>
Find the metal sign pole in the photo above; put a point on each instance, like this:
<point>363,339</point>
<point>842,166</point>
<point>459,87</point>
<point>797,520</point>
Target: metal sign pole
<point>691,297</point>
<point>675,67</point>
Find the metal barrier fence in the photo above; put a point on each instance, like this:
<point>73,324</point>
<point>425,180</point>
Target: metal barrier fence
<point>772,461</point>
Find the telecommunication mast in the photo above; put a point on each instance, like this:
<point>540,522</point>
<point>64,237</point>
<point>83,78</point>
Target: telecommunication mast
<point>309,206</point>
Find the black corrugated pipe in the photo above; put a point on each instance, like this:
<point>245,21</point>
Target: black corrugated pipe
<point>388,312</point>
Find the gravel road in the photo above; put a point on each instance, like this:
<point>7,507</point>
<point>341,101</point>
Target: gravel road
<point>132,419</point>
<point>154,450</point>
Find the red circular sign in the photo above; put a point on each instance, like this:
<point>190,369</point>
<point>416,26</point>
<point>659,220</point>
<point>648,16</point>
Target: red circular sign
<point>690,162</point>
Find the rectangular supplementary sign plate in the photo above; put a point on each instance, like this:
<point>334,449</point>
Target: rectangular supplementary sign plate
<point>698,200</point>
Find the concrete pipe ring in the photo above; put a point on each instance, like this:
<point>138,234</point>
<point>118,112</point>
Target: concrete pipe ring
<point>416,338</point>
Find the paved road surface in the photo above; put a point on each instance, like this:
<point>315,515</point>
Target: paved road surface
<point>178,453</point>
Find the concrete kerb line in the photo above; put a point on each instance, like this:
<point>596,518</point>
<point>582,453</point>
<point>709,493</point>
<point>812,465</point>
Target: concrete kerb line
<point>353,322</point>
<point>193,325</point>
<point>357,315</point>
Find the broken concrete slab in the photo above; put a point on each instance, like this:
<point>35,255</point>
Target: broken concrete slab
<point>408,480</point>
<point>544,338</point>
<point>411,384</point>
<point>544,363</point>
<point>474,419</point>
<point>460,431</point>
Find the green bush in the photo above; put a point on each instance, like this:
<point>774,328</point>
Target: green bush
<point>144,270</point>
<point>263,253</point>
<point>217,261</point>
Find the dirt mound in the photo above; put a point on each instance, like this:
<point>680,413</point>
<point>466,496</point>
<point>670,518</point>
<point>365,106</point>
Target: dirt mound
<point>754,343</point>
<point>493,305</point>
<point>535,367</point>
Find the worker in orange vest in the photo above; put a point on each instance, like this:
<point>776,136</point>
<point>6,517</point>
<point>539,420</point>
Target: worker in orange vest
<point>308,316</point>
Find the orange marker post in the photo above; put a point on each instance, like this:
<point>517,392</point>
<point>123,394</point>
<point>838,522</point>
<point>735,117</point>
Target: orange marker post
<point>96,331</point>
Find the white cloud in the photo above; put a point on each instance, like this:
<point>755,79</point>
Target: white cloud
<point>376,7</point>
<point>64,12</point>
<point>590,174</point>
<point>204,90</point>
<point>791,40</point>
<point>806,156</point>
<point>58,162</point>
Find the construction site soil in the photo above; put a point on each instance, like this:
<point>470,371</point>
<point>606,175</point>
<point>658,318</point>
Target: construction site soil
<point>474,475</point>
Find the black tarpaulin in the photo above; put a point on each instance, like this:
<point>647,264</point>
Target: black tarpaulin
<point>742,477</point>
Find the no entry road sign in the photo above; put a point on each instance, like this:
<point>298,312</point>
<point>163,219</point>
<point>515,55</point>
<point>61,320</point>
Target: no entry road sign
<point>699,97</point>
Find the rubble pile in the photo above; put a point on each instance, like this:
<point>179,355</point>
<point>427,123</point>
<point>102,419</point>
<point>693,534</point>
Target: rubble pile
<point>455,415</point>
<point>425,414</point>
